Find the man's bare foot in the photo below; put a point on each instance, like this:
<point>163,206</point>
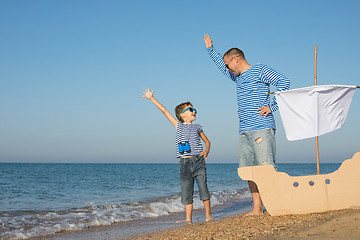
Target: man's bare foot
<point>189,222</point>
<point>253,213</point>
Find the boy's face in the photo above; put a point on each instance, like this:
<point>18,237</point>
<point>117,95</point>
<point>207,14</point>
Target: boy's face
<point>188,116</point>
<point>232,65</point>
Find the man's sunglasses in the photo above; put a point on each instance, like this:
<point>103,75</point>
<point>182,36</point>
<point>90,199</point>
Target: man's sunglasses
<point>191,109</point>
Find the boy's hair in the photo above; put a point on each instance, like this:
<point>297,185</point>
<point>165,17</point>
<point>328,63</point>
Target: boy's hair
<point>179,108</point>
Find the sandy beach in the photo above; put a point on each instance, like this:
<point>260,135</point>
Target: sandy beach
<point>342,224</point>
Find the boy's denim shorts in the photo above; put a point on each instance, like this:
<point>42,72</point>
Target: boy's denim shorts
<point>191,168</point>
<point>257,148</point>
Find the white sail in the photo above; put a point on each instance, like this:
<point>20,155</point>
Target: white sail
<point>313,111</point>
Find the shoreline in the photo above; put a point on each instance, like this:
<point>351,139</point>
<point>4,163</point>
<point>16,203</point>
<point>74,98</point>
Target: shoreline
<point>341,224</point>
<point>135,228</point>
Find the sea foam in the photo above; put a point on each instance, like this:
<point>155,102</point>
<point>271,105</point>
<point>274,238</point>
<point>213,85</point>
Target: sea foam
<point>24,225</point>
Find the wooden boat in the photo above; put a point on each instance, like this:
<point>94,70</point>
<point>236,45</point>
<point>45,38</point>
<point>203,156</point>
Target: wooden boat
<point>283,194</point>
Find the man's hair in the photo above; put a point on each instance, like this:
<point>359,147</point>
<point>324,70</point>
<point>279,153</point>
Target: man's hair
<point>179,108</point>
<point>234,52</point>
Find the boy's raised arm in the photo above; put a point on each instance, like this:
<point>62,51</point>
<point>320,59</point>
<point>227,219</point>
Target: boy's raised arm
<point>150,95</point>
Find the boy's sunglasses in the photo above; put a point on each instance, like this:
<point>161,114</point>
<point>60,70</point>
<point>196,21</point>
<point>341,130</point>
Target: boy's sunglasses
<point>191,109</point>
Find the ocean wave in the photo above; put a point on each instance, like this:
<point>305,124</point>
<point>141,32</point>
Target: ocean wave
<point>27,224</point>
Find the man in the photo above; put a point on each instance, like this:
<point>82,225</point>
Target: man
<point>256,121</point>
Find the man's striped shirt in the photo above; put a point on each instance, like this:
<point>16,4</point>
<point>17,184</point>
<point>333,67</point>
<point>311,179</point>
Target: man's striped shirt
<point>188,132</point>
<point>251,89</point>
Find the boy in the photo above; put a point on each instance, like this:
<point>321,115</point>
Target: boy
<point>190,152</point>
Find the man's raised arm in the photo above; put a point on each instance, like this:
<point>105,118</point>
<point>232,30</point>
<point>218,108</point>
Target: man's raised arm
<point>217,57</point>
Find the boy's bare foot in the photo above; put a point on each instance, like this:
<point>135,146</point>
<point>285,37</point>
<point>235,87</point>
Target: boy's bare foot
<point>253,213</point>
<point>208,219</point>
<point>187,221</point>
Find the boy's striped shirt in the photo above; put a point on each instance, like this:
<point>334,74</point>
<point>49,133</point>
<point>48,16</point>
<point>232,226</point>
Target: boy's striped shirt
<point>191,133</point>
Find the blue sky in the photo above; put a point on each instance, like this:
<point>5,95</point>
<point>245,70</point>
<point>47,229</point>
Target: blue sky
<point>72,73</point>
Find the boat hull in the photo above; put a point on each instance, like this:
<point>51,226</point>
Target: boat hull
<point>282,194</point>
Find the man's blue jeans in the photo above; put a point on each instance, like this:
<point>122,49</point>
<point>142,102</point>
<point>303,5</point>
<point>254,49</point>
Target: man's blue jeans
<point>257,148</point>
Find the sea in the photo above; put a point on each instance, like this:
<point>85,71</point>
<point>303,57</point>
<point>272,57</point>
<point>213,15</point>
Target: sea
<point>38,199</point>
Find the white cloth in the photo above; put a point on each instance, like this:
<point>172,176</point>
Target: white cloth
<point>313,111</point>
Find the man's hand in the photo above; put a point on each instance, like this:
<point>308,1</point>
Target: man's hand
<point>264,110</point>
<point>208,41</point>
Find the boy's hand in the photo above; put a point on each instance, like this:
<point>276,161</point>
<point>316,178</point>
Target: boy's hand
<point>150,95</point>
<point>147,93</point>
<point>208,41</point>
<point>204,154</point>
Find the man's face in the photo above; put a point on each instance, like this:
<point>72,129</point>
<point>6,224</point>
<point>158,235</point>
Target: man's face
<point>231,64</point>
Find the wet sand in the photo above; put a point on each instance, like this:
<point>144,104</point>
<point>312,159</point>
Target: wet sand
<point>342,224</point>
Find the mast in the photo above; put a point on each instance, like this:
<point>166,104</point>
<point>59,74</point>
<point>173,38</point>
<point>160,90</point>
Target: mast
<point>316,137</point>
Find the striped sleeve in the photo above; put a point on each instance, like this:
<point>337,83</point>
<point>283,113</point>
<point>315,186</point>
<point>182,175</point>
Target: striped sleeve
<point>199,129</point>
<point>218,60</point>
<point>281,82</point>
